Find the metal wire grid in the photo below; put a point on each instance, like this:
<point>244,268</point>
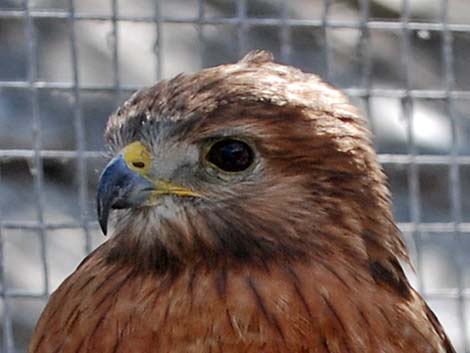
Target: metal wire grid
<point>412,160</point>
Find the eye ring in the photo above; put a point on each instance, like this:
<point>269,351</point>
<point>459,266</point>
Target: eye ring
<point>230,155</point>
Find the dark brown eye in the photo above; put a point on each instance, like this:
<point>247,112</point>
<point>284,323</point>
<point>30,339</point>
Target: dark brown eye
<point>230,155</point>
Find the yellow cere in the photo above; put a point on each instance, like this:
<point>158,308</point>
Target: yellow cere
<point>137,157</point>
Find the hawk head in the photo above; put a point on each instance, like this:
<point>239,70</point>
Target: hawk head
<point>249,162</point>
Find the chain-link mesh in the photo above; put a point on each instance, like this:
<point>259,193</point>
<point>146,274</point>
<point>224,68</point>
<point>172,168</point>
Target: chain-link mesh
<point>65,65</point>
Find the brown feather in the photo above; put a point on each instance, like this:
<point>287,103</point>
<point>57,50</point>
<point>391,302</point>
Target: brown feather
<point>293,308</point>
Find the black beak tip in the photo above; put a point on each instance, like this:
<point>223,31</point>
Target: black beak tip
<point>104,228</point>
<point>103,214</point>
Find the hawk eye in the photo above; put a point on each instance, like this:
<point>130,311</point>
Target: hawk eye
<point>230,155</point>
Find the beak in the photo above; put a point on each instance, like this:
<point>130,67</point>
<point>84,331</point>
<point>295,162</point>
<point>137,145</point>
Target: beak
<point>120,187</point>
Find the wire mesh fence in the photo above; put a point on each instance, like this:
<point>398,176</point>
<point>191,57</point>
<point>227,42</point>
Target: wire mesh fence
<point>65,65</point>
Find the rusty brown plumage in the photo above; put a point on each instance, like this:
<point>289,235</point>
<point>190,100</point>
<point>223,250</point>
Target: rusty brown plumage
<point>299,253</point>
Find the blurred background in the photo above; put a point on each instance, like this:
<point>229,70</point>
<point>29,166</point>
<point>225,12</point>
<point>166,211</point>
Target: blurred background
<point>65,65</point>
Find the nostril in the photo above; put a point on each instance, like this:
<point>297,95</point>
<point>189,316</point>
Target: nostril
<point>138,164</point>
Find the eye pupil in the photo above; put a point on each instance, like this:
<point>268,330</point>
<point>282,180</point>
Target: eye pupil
<point>231,155</point>
<point>138,164</point>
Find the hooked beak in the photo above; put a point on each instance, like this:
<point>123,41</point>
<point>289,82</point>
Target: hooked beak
<point>120,187</point>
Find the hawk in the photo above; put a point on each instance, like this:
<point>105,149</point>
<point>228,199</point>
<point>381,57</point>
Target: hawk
<point>247,212</point>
